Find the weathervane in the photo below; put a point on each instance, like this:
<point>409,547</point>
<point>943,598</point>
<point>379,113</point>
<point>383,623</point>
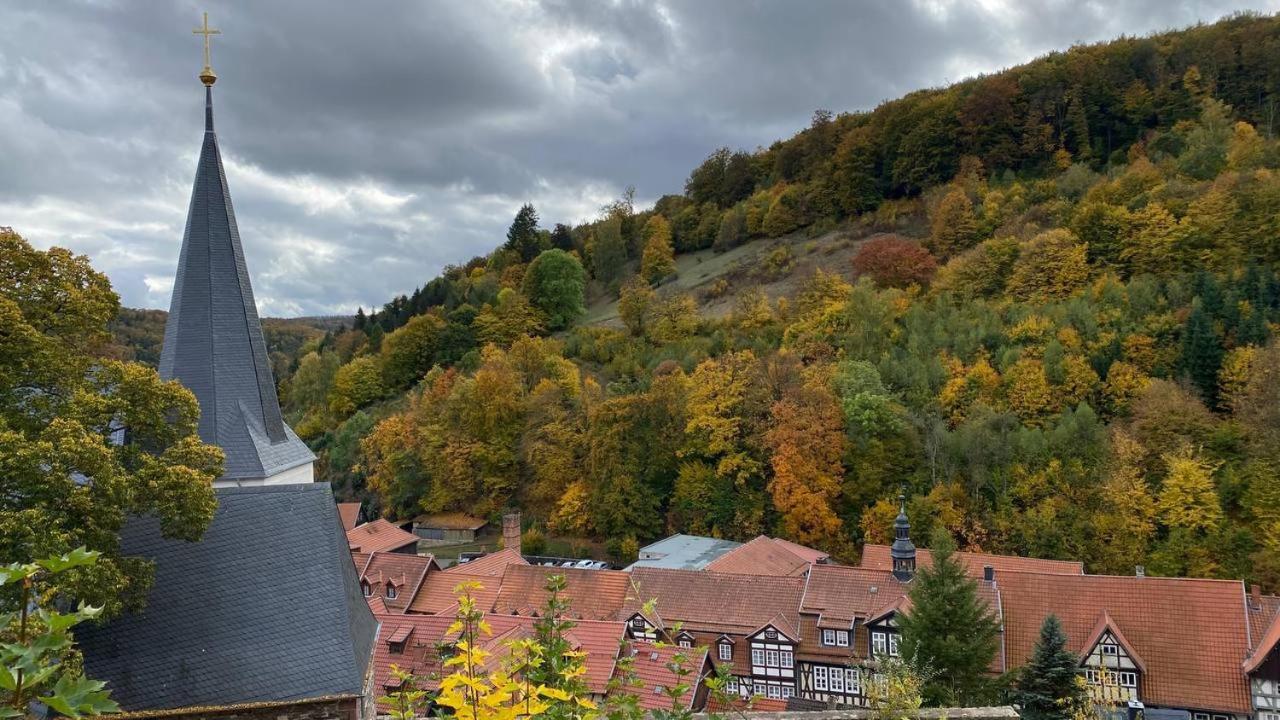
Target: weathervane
<point>207,76</point>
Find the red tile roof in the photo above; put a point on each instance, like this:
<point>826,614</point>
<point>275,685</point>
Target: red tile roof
<point>1266,641</point>
<point>376,605</point>
<point>764,556</point>
<point>714,602</point>
<point>653,667</point>
<point>1263,609</point>
<point>592,594</point>
<point>423,635</point>
<point>349,514</point>
<point>839,594</point>
<point>807,554</point>
<point>1190,633</point>
<point>379,535</point>
<point>877,557</point>
<point>438,593</point>
<point>493,564</point>
<point>405,572</point>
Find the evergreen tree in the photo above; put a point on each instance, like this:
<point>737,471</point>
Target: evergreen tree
<point>1201,353</point>
<point>1047,688</point>
<point>522,236</point>
<point>562,237</point>
<point>949,630</point>
<point>360,320</point>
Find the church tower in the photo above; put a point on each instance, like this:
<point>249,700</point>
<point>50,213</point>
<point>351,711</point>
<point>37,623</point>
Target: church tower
<point>213,340</point>
<point>903,551</point>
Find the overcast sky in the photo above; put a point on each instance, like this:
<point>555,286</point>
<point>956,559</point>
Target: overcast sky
<point>368,144</point>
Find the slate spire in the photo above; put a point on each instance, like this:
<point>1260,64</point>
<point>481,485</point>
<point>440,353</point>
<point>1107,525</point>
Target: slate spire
<point>903,551</point>
<point>213,340</point>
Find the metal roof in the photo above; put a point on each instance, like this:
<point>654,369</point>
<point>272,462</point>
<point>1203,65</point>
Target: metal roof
<point>683,552</point>
<point>213,340</point>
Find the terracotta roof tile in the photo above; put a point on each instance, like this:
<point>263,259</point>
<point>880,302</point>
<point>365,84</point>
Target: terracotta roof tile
<point>1266,639</point>
<point>652,666</point>
<point>349,513</point>
<point>1190,633</point>
<point>763,556</point>
<point>1263,609</point>
<point>877,557</point>
<point>592,594</point>
<point>379,535</point>
<point>439,592</point>
<point>423,635</point>
<point>493,564</point>
<point>405,572</point>
<point>715,602</point>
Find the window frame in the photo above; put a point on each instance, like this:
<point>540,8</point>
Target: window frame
<point>893,644</point>
<point>842,638</point>
<point>771,659</point>
<point>820,678</point>
<point>828,637</point>
<point>724,651</point>
<point>757,656</point>
<point>879,643</point>
<point>787,659</point>
<point>391,593</point>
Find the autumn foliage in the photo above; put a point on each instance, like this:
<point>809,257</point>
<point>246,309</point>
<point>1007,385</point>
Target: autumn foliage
<point>894,261</point>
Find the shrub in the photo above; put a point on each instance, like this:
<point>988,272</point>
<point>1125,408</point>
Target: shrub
<point>893,261</point>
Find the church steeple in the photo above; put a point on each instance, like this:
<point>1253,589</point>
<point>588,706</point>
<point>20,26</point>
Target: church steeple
<point>213,340</point>
<point>903,551</point>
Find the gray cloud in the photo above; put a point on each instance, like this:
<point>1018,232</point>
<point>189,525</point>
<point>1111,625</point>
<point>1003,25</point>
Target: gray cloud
<point>368,144</point>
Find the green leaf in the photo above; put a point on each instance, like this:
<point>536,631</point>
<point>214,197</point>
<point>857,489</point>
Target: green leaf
<point>76,558</point>
<point>79,696</point>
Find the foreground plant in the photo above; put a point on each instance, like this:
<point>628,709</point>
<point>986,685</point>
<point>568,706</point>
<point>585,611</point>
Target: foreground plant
<point>35,667</point>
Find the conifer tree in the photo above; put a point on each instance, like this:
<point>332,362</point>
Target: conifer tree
<point>949,630</point>
<point>1047,687</point>
<point>1201,353</point>
<point>522,236</point>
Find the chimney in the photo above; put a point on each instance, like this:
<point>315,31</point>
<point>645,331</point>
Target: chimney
<point>511,531</point>
<point>1255,596</point>
<point>1139,570</point>
<point>988,573</point>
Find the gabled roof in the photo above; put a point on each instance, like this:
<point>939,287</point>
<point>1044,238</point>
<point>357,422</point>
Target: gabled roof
<point>714,602</point>
<point>492,565</point>
<point>379,536</point>
<point>349,512</point>
<point>438,593</point>
<point>213,340</point>
<point>450,521</point>
<point>592,594</point>
<point>1266,644</point>
<point>265,607</point>
<point>406,572</point>
<point>877,557</point>
<point>653,664</point>
<point>780,623</point>
<point>1190,633</point>
<point>423,635</point>
<point>764,556</point>
<point>1107,625</point>
<point>840,594</point>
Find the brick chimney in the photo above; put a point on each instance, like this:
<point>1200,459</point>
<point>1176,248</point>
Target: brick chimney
<point>511,531</point>
<point>1255,596</point>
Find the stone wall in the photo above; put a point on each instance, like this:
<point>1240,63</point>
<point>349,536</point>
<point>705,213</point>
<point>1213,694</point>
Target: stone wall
<point>332,708</point>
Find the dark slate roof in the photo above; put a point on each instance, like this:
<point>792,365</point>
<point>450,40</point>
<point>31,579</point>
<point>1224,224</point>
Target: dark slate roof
<point>266,607</point>
<point>213,341</point>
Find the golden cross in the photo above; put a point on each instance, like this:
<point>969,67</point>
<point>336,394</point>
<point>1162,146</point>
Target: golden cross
<point>207,74</point>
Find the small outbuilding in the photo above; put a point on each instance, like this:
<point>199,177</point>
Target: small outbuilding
<point>448,528</point>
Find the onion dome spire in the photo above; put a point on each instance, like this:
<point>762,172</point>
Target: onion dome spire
<point>903,551</point>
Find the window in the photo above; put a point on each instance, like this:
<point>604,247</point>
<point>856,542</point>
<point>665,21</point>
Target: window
<point>1128,679</point>
<point>685,643</point>
<point>852,681</point>
<point>893,644</point>
<point>837,680</point>
<point>774,691</point>
<point>788,691</point>
<point>391,591</point>
<point>819,677</point>
<point>726,651</point>
<point>366,589</point>
<point>757,656</point>
<point>637,623</point>
<point>396,648</point>
<point>731,685</point>
<point>1108,649</point>
<point>787,658</point>
<point>771,658</point>
<point>842,638</point>
<point>879,645</point>
<point>1200,716</point>
<point>828,637</point>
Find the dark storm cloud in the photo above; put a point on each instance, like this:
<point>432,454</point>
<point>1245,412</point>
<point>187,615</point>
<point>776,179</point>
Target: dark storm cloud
<point>370,143</point>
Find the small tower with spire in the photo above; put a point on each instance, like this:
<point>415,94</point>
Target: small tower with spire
<point>213,340</point>
<point>903,551</point>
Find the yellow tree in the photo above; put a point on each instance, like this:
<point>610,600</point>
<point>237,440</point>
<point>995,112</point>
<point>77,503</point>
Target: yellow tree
<point>1053,264</point>
<point>1188,499</point>
<point>807,441</point>
<point>953,227</point>
<point>1126,523</point>
<point>1027,391</point>
<point>658,259</point>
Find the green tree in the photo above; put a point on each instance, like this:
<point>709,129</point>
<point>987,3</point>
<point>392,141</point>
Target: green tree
<point>410,351</point>
<point>1047,687</point>
<point>1051,265</point>
<point>66,480</point>
<point>608,251</point>
<point>786,212</point>
<point>636,304</point>
<point>1202,353</point>
<point>356,384</point>
<point>950,630</point>
<point>554,284</point>
<point>658,260</point>
<point>522,236</point>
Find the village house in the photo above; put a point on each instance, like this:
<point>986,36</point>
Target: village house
<point>447,528</point>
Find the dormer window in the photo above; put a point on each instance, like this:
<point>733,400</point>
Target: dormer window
<point>835,638</point>
<point>684,640</point>
<point>366,589</point>
<point>391,591</point>
<point>725,651</point>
